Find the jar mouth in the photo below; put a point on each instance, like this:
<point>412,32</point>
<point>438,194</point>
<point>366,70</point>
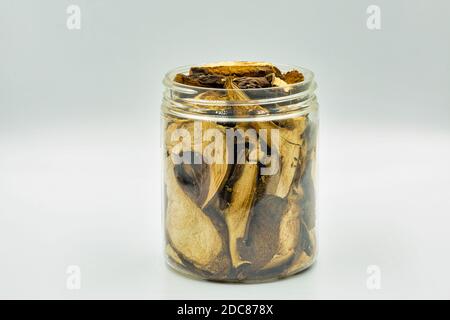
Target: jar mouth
<point>170,83</point>
<point>188,99</point>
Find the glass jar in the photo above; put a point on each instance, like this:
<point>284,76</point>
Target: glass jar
<point>239,179</point>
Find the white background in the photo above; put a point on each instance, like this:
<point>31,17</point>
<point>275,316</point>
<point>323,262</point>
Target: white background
<point>80,176</point>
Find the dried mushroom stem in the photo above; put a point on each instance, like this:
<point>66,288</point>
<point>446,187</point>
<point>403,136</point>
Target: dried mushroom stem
<point>238,212</point>
<point>288,236</point>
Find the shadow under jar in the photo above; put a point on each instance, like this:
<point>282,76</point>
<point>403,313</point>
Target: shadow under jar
<point>239,179</point>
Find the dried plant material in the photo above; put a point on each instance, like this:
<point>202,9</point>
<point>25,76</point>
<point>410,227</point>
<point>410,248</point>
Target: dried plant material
<point>262,238</point>
<point>212,153</point>
<point>238,212</point>
<point>293,76</point>
<point>288,236</point>
<point>236,94</point>
<point>189,230</point>
<point>237,68</point>
<point>251,82</point>
<point>201,80</point>
<point>227,217</point>
<point>277,82</point>
<point>290,156</point>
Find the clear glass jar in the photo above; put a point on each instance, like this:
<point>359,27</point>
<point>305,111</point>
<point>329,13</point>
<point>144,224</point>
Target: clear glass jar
<point>239,179</point>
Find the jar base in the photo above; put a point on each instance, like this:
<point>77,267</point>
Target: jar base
<point>262,279</point>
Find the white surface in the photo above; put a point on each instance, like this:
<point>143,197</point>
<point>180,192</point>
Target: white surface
<point>90,198</point>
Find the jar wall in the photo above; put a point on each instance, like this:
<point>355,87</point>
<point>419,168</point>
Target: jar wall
<point>239,196</point>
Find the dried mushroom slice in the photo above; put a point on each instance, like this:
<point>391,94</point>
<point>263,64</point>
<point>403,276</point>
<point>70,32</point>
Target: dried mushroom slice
<point>236,94</point>
<point>209,152</point>
<point>288,152</point>
<point>288,236</point>
<point>201,80</point>
<point>308,201</point>
<point>277,82</point>
<point>293,76</point>
<point>261,241</point>
<point>237,68</point>
<point>308,175</point>
<point>251,82</point>
<point>190,232</point>
<point>238,211</point>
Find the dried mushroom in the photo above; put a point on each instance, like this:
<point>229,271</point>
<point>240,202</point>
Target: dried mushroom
<point>201,80</point>
<point>226,218</point>
<point>239,69</point>
<point>190,232</point>
<point>293,76</point>
<point>251,82</point>
<point>214,160</point>
<point>238,211</point>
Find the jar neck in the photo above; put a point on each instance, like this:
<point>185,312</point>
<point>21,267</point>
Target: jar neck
<point>243,104</point>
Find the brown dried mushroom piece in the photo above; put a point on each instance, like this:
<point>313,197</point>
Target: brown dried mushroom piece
<point>237,68</point>
<point>288,236</point>
<point>293,76</point>
<point>251,82</point>
<point>261,241</point>
<point>201,80</point>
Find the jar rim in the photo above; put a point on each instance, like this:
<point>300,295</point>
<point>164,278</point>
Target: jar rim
<point>169,82</point>
<point>187,100</point>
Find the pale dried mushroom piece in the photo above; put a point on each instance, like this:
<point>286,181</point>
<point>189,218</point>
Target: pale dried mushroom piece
<point>278,82</point>
<point>237,214</point>
<point>236,94</point>
<point>190,232</point>
<point>211,153</point>
<point>289,153</point>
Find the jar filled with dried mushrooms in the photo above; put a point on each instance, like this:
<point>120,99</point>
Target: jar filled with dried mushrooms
<point>239,144</point>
